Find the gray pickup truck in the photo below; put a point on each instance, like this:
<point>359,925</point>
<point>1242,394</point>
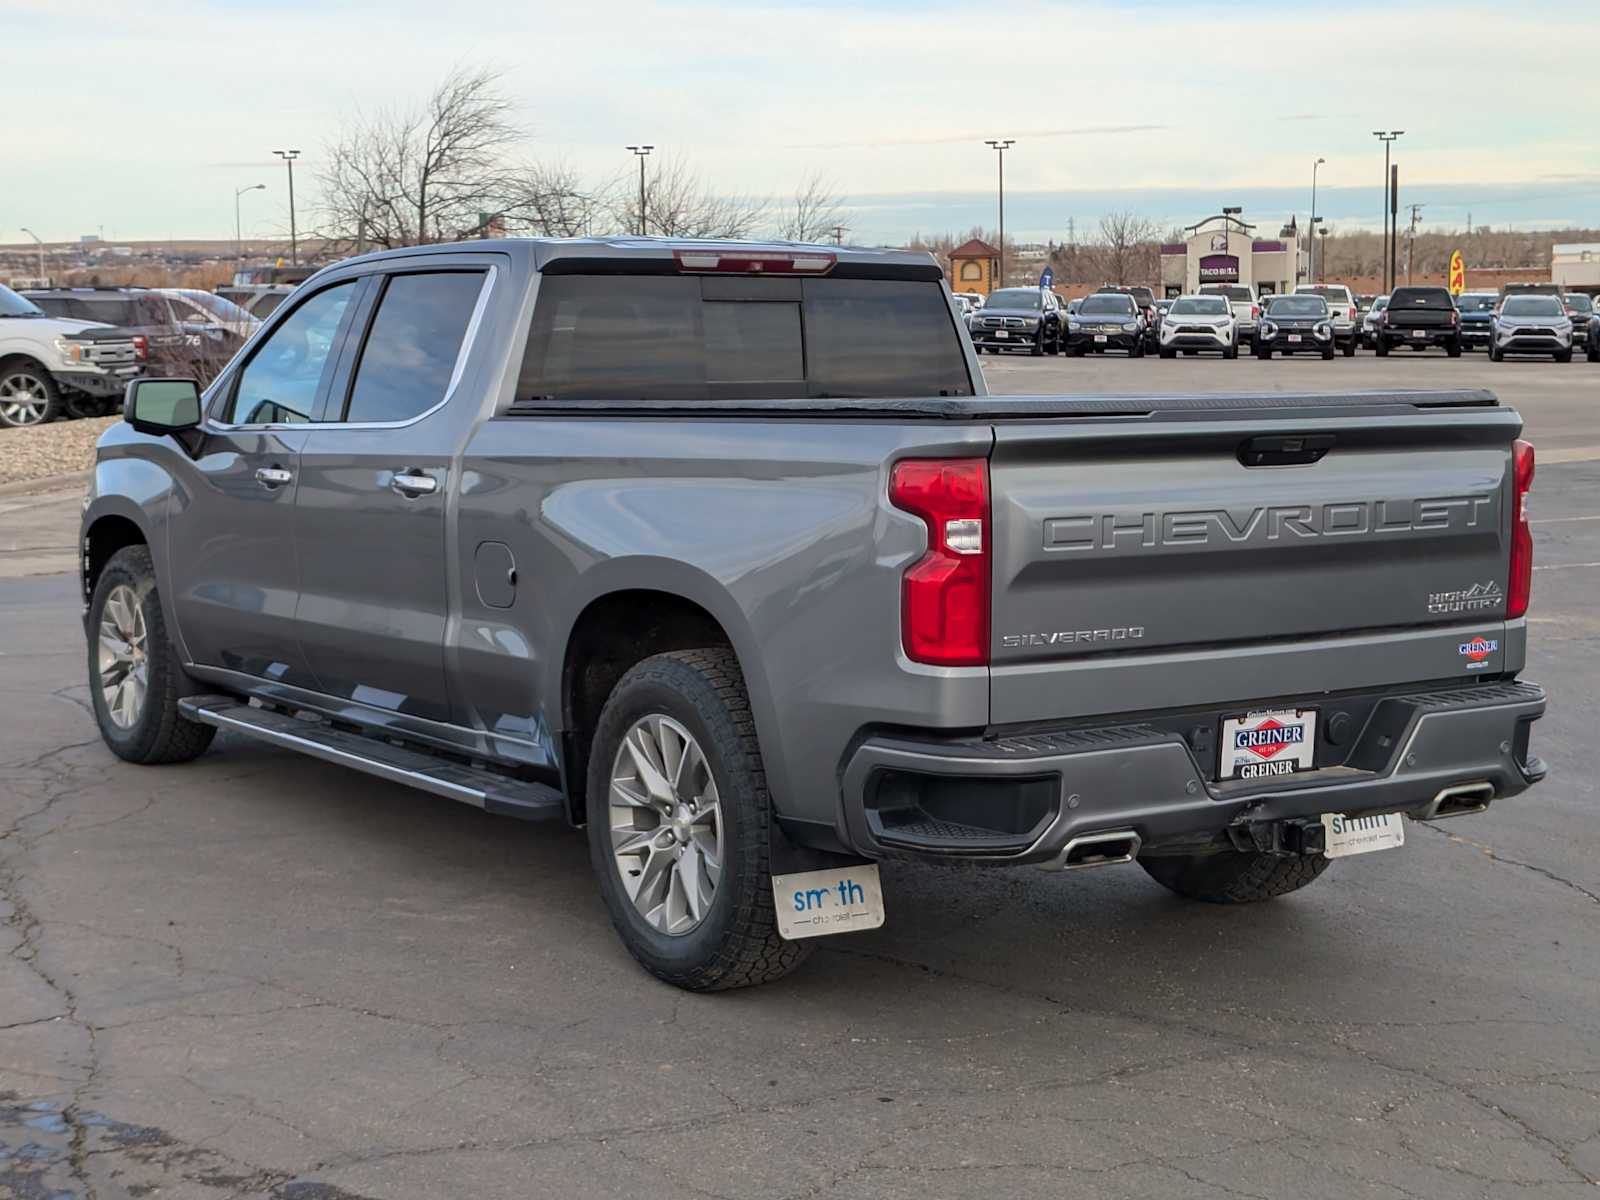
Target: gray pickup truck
<point>723,552</point>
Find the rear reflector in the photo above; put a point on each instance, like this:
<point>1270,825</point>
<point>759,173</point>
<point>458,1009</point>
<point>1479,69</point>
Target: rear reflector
<point>1520,587</point>
<point>944,596</point>
<point>745,262</point>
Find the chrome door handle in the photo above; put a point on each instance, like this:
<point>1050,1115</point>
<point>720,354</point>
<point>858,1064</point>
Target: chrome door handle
<point>271,477</point>
<point>413,484</point>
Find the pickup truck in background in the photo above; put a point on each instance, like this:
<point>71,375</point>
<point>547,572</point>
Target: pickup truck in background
<point>52,366</point>
<point>1419,317</point>
<point>722,552</point>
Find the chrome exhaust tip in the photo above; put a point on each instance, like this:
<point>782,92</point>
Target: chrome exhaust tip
<point>1096,850</point>
<point>1458,800</point>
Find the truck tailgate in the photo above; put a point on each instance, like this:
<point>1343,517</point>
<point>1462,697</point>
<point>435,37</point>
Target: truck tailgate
<point>1222,555</point>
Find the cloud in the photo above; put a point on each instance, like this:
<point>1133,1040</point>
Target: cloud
<point>978,138</point>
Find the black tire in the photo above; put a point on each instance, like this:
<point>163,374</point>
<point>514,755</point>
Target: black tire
<point>1166,353</point>
<point>1454,348</point>
<point>1037,349</point>
<point>1564,356</point>
<point>28,396</point>
<point>1137,351</point>
<point>1263,352</point>
<point>1381,348</point>
<point>1232,351</point>
<point>1496,354</point>
<point>737,943</point>
<point>1350,348</point>
<point>1232,876</point>
<point>1055,344</point>
<point>1593,352</point>
<point>159,734</point>
<point>1327,354</point>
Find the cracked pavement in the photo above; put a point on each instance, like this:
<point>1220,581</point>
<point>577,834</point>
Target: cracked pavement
<point>262,976</point>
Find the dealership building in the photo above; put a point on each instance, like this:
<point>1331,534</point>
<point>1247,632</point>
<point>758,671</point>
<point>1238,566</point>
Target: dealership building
<point>1224,249</point>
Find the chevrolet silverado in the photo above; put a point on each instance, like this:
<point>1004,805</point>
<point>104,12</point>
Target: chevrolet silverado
<point>722,552</point>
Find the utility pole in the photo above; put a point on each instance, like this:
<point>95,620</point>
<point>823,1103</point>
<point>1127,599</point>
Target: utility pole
<point>1411,238</point>
<point>1388,201</point>
<point>288,157</point>
<point>1311,227</point>
<point>838,235</point>
<point>1394,224</point>
<point>642,152</point>
<point>1000,146</point>
<point>238,237</point>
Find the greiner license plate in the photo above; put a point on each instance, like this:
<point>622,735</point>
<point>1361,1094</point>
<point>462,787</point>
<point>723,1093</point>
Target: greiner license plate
<point>1272,741</point>
<point>1419,333</point>
<point>1099,337</point>
<point>1001,333</point>
<point>1294,337</point>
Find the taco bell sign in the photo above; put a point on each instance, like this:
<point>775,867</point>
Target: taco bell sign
<point>1219,268</point>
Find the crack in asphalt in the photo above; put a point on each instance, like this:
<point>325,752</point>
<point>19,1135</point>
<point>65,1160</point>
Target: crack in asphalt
<point>1494,855</point>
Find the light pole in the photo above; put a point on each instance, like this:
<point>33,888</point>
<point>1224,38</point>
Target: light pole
<point>43,282</point>
<point>238,237</point>
<point>1387,139</point>
<point>1311,238</point>
<point>642,152</point>
<point>1311,229</point>
<point>1229,213</point>
<point>288,157</point>
<point>1000,146</point>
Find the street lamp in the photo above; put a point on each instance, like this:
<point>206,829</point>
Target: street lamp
<point>642,152</point>
<point>1311,240</point>
<point>1311,229</point>
<point>1386,139</point>
<point>1000,146</point>
<point>42,281</point>
<point>288,157</point>
<point>238,238</point>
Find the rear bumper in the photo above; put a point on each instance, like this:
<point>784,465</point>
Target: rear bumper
<point>1420,337</point>
<point>1023,799</point>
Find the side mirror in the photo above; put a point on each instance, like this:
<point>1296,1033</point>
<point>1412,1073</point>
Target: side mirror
<point>162,406</point>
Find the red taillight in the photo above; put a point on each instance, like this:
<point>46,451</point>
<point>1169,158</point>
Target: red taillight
<point>1520,586</point>
<point>141,347</point>
<point>1255,313</point>
<point>747,262</point>
<point>1352,313</point>
<point>944,596</point>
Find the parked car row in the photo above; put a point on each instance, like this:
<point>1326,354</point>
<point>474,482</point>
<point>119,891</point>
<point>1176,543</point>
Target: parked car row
<point>70,351</point>
<point>1324,319</point>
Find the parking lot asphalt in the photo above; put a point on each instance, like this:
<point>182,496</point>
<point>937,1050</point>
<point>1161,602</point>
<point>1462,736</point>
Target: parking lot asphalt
<point>262,976</point>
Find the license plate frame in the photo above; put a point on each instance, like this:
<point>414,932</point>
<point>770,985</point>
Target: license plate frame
<point>1002,334</point>
<point>1419,333</point>
<point>1101,338</point>
<point>1263,754</point>
<point>1295,337</point>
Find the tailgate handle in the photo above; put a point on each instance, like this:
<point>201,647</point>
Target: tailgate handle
<point>1285,449</point>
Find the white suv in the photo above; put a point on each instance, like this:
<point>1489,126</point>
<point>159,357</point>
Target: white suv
<point>1194,323</point>
<point>50,365</point>
<point>1342,307</point>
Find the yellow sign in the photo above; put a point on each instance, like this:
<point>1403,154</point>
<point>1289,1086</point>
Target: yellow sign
<point>1458,274</point>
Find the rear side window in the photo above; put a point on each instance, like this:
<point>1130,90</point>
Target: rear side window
<point>411,350</point>
<point>1421,298</point>
<point>720,338</point>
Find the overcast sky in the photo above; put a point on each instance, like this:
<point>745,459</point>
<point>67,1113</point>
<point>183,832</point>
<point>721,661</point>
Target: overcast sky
<point>143,118</point>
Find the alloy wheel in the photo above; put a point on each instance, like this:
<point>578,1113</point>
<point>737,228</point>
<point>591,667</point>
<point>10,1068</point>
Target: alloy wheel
<point>122,658</point>
<point>23,400</point>
<point>666,824</point>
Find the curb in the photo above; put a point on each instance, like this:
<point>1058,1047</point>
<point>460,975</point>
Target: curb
<point>47,483</point>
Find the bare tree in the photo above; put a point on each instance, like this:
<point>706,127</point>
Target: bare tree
<point>446,170</point>
<point>814,214</point>
<point>678,203</point>
<point>1127,250</point>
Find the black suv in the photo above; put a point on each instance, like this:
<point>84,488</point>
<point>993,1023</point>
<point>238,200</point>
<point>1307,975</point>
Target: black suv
<point>1295,324</point>
<point>1106,321</point>
<point>1149,313</point>
<point>1018,318</point>
<point>1419,317</point>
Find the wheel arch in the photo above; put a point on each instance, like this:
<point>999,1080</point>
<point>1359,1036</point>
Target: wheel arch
<point>617,627</point>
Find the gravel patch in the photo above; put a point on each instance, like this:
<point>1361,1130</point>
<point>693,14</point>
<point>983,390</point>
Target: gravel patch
<point>54,449</point>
